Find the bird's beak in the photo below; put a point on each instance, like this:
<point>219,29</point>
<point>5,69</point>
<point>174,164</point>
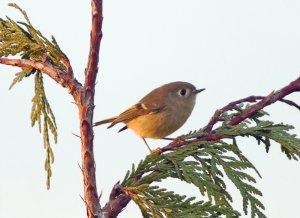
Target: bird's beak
<point>198,91</point>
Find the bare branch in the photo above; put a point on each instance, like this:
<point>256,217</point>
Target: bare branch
<point>52,71</point>
<point>270,99</point>
<point>96,36</point>
<point>291,103</point>
<point>117,202</point>
<point>65,60</point>
<point>85,105</point>
<point>232,105</point>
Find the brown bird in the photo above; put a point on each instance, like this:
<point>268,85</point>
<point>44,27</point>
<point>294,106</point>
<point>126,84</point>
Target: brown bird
<point>159,113</point>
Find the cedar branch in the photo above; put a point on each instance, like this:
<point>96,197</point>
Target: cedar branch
<point>119,200</point>
<point>270,99</point>
<point>233,105</point>
<point>58,75</point>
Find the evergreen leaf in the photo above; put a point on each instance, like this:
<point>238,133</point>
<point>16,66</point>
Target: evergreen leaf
<point>41,108</point>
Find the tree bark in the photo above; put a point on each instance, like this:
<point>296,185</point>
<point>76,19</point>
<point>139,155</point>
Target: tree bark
<point>86,109</point>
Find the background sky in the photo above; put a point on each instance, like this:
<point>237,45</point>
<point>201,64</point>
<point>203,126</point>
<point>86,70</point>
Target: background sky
<point>232,48</point>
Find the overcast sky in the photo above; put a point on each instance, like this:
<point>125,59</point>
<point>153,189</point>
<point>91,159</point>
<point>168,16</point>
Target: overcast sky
<point>232,48</point>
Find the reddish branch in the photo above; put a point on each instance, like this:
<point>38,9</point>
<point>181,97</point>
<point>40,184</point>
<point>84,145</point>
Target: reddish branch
<point>65,60</point>
<point>233,105</point>
<point>96,36</point>
<point>86,110</point>
<point>55,73</point>
<point>118,200</point>
<point>270,99</point>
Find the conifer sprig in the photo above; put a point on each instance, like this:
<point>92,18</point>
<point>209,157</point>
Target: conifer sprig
<point>263,131</point>
<point>42,114</point>
<point>205,164</point>
<point>158,202</point>
<point>21,38</point>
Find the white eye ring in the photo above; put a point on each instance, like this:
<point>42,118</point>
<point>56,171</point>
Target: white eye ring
<point>183,92</point>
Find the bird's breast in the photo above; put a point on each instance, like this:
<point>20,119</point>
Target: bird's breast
<point>160,124</point>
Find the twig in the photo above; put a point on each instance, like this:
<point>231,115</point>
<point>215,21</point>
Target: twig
<point>270,99</point>
<point>291,103</point>
<point>52,71</point>
<point>65,60</point>
<point>117,202</point>
<point>96,36</point>
<point>78,136</point>
<point>232,105</point>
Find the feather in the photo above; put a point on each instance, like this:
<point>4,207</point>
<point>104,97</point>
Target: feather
<point>123,128</point>
<point>104,121</point>
<point>135,111</point>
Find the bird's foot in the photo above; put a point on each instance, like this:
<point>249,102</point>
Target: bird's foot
<point>181,138</point>
<point>156,150</point>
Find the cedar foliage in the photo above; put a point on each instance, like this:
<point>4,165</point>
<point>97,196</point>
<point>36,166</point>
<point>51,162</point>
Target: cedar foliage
<point>20,38</point>
<point>203,164</point>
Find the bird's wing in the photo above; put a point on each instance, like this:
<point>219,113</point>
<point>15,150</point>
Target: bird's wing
<point>135,111</point>
<point>109,120</point>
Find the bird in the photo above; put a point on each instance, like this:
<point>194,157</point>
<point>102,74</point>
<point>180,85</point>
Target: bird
<point>160,113</point>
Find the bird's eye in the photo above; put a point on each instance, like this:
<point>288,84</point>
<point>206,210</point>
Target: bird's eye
<point>182,92</point>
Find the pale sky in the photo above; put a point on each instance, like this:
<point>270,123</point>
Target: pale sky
<point>233,48</point>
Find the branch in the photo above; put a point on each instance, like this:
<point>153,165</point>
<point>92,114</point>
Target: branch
<point>58,75</point>
<point>291,103</point>
<point>119,200</point>
<point>65,60</point>
<point>233,105</point>
<point>270,99</point>
<point>96,36</point>
<point>85,105</point>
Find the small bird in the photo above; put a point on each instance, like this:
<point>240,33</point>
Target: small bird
<point>159,113</point>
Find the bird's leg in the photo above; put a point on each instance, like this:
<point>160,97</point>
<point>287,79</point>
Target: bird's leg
<point>147,145</point>
<point>152,151</point>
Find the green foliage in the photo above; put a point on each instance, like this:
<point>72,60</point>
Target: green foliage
<point>42,114</point>
<point>156,202</point>
<point>21,38</point>
<point>19,76</point>
<point>201,164</point>
<point>205,165</point>
<point>263,132</point>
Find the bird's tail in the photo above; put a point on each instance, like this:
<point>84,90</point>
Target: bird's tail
<point>109,120</point>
